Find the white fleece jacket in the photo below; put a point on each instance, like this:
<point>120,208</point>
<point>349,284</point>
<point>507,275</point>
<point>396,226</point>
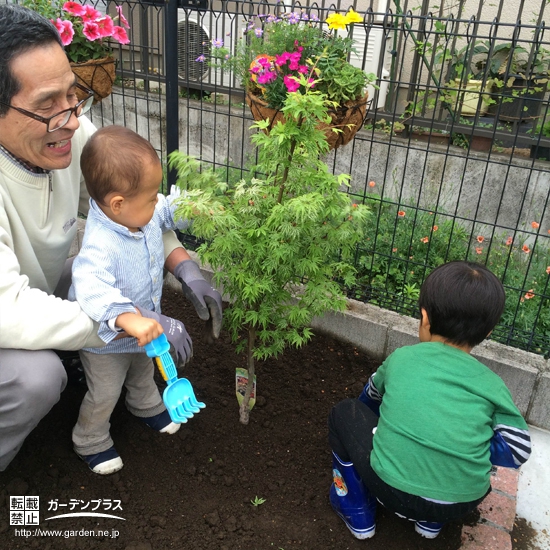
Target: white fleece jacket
<point>37,226</point>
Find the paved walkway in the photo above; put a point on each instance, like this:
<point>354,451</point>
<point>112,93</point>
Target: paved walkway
<point>525,493</point>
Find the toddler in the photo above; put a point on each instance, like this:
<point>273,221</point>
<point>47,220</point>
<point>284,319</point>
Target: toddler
<point>423,435</point>
<point>117,280</point>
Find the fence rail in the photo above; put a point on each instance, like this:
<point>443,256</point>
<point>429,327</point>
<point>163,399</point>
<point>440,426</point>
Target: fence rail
<point>453,157</point>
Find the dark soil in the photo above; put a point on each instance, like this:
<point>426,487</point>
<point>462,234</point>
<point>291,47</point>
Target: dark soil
<point>193,490</point>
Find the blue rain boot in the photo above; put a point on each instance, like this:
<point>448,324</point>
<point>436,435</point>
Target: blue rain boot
<point>428,529</point>
<point>351,500</point>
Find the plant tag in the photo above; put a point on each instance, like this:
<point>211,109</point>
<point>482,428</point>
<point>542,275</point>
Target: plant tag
<point>241,381</point>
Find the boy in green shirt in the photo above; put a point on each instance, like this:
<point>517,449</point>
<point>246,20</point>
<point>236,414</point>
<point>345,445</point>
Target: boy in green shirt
<point>432,420</point>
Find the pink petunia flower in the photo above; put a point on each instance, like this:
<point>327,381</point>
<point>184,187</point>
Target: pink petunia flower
<point>121,18</point>
<point>91,31</point>
<point>91,14</point>
<point>105,26</point>
<point>74,8</point>
<point>120,35</point>
<point>65,30</point>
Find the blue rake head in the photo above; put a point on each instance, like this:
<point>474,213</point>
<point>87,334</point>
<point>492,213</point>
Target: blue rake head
<point>179,396</point>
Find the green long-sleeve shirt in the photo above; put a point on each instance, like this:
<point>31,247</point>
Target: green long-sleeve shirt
<point>439,408</point>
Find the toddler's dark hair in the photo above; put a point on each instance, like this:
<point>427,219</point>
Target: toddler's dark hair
<point>112,161</point>
<point>463,300</point>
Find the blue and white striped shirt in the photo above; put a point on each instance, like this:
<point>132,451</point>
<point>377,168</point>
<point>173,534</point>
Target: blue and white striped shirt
<point>117,269</point>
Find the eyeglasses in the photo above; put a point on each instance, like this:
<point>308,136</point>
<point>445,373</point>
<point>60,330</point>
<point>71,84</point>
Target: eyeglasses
<point>60,119</point>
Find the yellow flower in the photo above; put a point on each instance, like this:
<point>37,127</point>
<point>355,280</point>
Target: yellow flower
<point>353,17</point>
<point>336,21</point>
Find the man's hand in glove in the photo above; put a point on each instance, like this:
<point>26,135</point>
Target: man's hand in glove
<point>175,333</point>
<point>205,299</point>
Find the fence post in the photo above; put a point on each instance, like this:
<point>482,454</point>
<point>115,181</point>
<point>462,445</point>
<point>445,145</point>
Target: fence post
<point>172,88</point>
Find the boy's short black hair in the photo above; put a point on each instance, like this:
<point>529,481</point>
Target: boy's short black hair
<point>463,300</point>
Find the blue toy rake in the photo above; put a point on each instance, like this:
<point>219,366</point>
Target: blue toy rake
<point>178,396</point>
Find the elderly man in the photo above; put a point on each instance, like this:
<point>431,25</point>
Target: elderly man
<point>42,191</point>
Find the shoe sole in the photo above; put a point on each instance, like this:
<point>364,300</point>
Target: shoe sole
<point>105,468</point>
<point>172,428</point>
<point>109,467</point>
<point>425,533</point>
<point>362,534</point>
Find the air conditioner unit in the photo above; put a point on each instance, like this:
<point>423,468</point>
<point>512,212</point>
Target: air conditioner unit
<point>196,30</point>
<point>370,52</point>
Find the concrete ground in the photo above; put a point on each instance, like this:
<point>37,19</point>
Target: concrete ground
<point>533,497</point>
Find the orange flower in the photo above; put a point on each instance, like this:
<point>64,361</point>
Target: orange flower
<point>480,238</point>
<point>525,249</point>
<point>535,225</point>
<point>529,294</point>
<point>548,270</point>
<point>522,299</point>
<point>479,250</point>
<point>371,184</point>
<point>435,228</point>
<point>424,240</point>
<point>395,250</point>
<point>401,213</point>
<point>509,241</point>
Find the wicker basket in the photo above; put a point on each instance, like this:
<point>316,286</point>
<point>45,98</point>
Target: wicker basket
<point>351,113</point>
<point>96,74</point>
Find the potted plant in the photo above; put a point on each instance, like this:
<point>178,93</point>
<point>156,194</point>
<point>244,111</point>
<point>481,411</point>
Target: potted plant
<point>277,51</point>
<point>521,79</point>
<point>282,241</point>
<point>469,90</point>
<point>87,36</point>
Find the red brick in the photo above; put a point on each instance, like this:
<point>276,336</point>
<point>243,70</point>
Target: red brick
<point>506,480</point>
<point>499,509</point>
<point>485,537</point>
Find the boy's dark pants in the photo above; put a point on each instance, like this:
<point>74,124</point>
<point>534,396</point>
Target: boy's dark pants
<point>350,436</point>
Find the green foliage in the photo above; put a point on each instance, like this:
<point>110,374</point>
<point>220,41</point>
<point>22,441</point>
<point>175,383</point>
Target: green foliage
<point>48,8</point>
<point>405,243</point>
<point>282,242</point>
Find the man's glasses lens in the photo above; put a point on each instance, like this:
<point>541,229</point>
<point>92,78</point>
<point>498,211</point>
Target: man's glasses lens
<point>62,118</point>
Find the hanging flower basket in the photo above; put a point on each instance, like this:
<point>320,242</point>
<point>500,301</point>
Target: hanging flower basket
<point>96,74</point>
<point>350,113</point>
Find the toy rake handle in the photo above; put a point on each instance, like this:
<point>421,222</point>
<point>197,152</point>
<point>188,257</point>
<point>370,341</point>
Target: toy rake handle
<point>159,349</point>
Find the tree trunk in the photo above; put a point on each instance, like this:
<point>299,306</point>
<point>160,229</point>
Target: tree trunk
<point>244,409</point>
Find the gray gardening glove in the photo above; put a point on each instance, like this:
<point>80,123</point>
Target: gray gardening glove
<point>206,300</point>
<point>175,333</point>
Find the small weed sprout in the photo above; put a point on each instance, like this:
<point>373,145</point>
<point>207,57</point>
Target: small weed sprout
<point>256,501</point>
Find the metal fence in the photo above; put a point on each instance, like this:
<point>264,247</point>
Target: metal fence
<point>453,157</point>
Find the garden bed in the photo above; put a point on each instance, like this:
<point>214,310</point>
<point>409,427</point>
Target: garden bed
<point>193,490</point>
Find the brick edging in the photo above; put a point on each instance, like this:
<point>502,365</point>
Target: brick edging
<point>497,514</point>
